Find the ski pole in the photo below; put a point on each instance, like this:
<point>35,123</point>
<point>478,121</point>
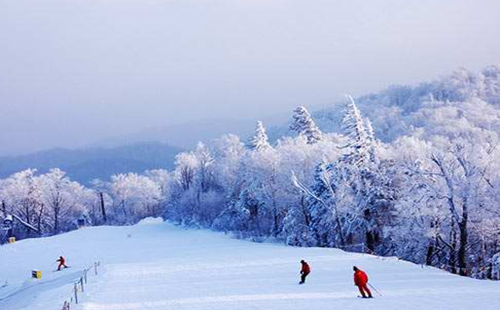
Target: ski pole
<point>374,289</point>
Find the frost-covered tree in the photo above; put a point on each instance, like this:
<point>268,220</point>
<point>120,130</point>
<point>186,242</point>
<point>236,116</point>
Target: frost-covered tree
<point>162,178</point>
<point>297,226</point>
<point>61,197</point>
<point>351,197</point>
<point>135,197</point>
<point>427,191</point>
<point>263,189</point>
<point>228,153</point>
<point>185,168</point>
<point>304,125</point>
<point>259,141</point>
<point>366,180</point>
<point>358,144</point>
<point>205,163</point>
<point>325,219</point>
<point>94,204</point>
<point>495,267</point>
<point>446,205</point>
<point>235,217</point>
<point>373,143</point>
<point>197,197</point>
<point>457,180</point>
<point>20,196</point>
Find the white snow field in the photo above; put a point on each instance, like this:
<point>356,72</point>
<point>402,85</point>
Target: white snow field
<point>156,265</point>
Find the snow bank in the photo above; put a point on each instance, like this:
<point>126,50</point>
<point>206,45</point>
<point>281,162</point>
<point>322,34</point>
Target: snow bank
<point>151,221</point>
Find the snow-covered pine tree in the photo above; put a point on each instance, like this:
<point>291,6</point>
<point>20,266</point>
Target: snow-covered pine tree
<point>356,134</point>
<point>365,179</point>
<point>305,125</point>
<point>260,140</point>
<point>372,142</point>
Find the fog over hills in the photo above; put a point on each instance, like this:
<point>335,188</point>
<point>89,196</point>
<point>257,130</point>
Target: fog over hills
<point>184,135</point>
<point>151,148</point>
<point>85,165</point>
<point>462,102</point>
<point>73,73</point>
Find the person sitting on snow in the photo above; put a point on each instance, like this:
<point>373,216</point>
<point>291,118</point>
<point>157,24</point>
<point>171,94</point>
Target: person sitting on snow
<point>62,263</point>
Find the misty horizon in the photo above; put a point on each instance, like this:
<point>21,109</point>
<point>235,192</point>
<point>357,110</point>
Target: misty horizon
<point>75,73</point>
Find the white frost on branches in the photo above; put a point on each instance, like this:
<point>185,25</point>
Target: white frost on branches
<point>259,141</point>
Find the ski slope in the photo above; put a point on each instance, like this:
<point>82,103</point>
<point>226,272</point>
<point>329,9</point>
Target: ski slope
<point>156,265</point>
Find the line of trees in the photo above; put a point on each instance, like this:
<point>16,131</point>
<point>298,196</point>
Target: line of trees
<point>430,200</point>
<point>51,203</point>
<point>432,205</point>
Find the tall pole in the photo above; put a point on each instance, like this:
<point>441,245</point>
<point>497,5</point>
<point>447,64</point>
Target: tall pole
<point>4,208</point>
<point>103,209</point>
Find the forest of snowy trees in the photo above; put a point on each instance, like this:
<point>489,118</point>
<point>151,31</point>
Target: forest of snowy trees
<point>428,194</point>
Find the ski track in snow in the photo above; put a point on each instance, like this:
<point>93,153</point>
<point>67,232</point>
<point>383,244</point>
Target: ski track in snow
<point>119,282</point>
<point>164,267</point>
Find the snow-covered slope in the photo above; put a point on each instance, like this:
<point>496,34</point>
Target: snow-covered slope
<point>156,265</point>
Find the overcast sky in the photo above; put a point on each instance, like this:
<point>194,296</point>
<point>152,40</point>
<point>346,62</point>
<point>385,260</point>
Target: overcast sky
<point>72,72</point>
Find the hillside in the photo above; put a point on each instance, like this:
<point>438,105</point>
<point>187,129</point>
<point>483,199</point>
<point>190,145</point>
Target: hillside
<point>84,165</point>
<point>155,265</point>
<point>462,102</point>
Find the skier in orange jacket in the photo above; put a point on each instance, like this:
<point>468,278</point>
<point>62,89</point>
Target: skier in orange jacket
<point>62,263</point>
<point>361,281</point>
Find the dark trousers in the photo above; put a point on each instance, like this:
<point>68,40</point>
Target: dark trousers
<point>303,277</point>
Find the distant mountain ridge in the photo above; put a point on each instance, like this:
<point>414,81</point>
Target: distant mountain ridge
<point>85,165</point>
<point>460,103</point>
<point>185,135</point>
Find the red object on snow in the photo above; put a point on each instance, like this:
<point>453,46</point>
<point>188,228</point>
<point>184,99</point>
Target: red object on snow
<point>361,281</point>
<point>62,263</point>
<point>305,268</point>
<point>360,278</point>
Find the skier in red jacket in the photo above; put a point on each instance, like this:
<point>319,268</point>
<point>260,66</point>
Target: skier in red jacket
<point>361,281</point>
<point>62,263</point>
<point>304,272</point>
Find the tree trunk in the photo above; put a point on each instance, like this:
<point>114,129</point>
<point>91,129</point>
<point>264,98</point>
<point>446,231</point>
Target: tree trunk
<point>305,211</point>
<point>39,220</point>
<point>462,250</point>
<point>370,241</point>
<point>452,260</point>
<point>103,208</point>
<point>4,208</point>
<point>56,221</point>
<point>429,255</point>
